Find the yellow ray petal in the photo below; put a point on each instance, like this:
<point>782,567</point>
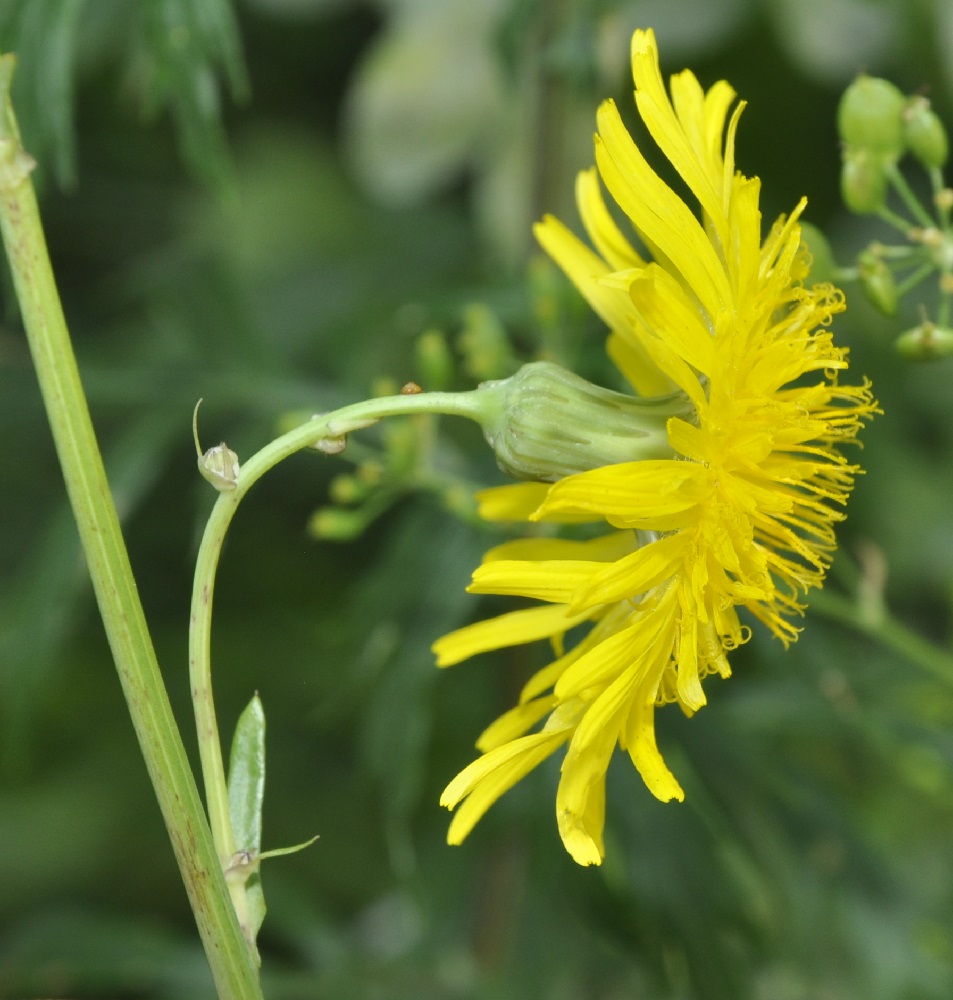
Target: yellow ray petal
<point>658,213</point>
<point>511,503</point>
<point>581,820</point>
<point>664,306</point>
<point>519,501</point>
<point>631,358</point>
<point>513,724</point>
<point>690,693</point>
<point>580,802</point>
<point>637,490</point>
<point>632,574</point>
<point>644,752</point>
<point>511,629</point>
<point>489,776</point>
<point>605,548</point>
<point>604,233</point>
<point>586,269</point>
<point>603,663</point>
<point>553,580</point>
<point>682,137</point>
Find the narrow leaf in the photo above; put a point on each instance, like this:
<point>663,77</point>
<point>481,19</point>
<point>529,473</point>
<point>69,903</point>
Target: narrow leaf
<point>246,794</point>
<point>246,777</point>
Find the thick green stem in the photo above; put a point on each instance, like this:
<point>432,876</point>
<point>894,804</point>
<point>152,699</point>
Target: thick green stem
<point>235,975</point>
<point>332,427</point>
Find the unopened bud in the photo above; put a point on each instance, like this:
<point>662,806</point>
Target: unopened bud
<point>924,133</point>
<point>347,489</point>
<point>926,342</point>
<point>336,525</point>
<point>402,442</point>
<point>384,385</point>
<point>869,116</point>
<point>484,345</point>
<point>218,465</point>
<point>434,360</point>
<point>863,181</point>
<point>371,472</point>
<point>876,279</point>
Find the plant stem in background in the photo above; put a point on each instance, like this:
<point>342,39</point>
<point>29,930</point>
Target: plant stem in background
<point>231,962</point>
<point>932,660</point>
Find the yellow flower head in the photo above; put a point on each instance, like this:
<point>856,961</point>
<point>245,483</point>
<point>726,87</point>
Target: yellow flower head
<point>742,512</point>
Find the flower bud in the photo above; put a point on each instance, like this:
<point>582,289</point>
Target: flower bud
<point>347,489</point>
<point>869,116</point>
<point>219,466</point>
<point>434,361</point>
<point>876,279</point>
<point>483,343</point>
<point>544,423</point>
<point>402,444</point>
<point>924,133</point>
<point>926,342</point>
<point>336,525</point>
<point>863,181</point>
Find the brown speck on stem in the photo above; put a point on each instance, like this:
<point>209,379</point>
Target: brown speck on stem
<point>410,389</point>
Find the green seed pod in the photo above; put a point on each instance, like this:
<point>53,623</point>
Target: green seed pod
<point>876,279</point>
<point>863,181</point>
<point>926,342</point>
<point>870,116</point>
<point>924,133</point>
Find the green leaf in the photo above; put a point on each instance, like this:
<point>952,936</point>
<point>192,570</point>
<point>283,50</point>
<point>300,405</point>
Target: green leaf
<point>279,852</point>
<point>246,794</point>
<point>44,36</point>
<point>188,44</point>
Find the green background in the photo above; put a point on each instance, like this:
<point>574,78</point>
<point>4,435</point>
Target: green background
<point>266,205</point>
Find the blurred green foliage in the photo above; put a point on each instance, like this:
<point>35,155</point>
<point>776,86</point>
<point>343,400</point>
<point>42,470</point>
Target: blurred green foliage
<point>274,231</point>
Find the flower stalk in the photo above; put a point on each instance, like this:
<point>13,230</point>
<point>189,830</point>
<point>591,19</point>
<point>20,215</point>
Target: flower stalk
<point>325,432</point>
